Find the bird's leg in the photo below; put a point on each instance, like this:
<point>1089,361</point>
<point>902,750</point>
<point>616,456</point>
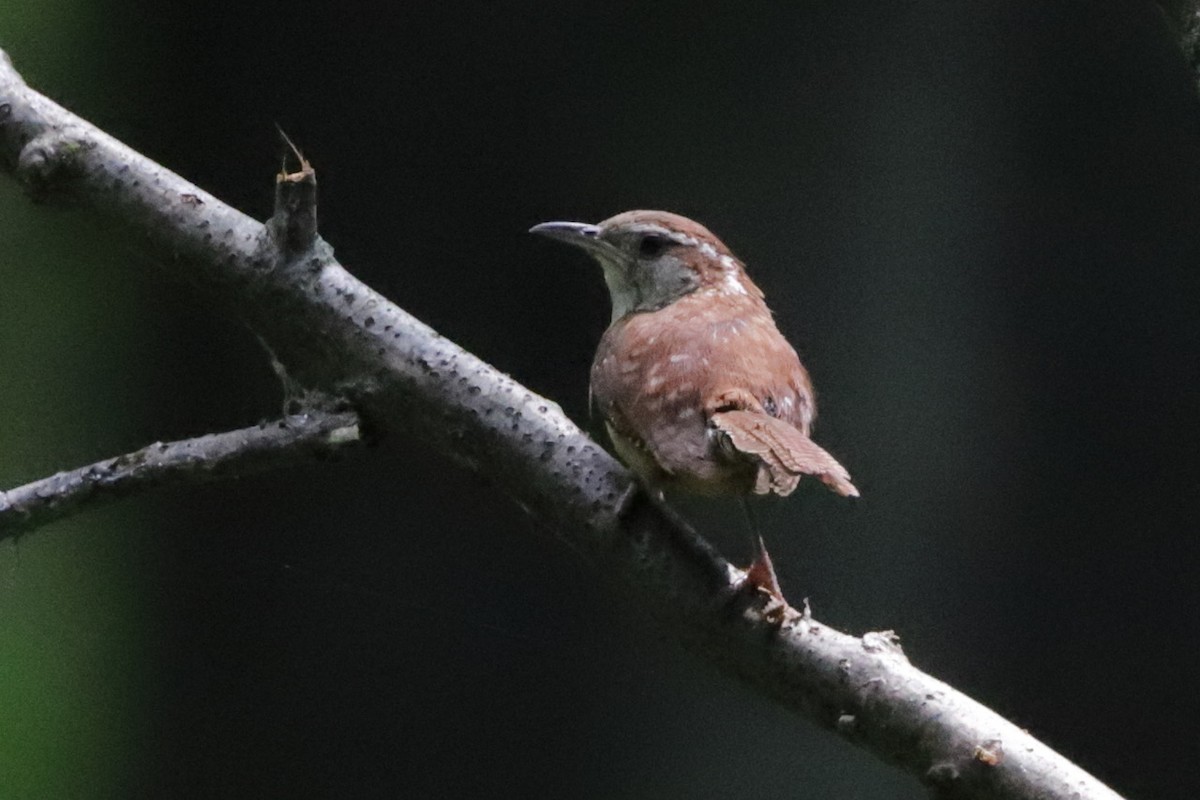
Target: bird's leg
<point>761,572</point>
<point>627,498</point>
<point>641,490</point>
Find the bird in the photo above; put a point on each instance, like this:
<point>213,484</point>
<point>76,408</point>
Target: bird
<point>698,389</point>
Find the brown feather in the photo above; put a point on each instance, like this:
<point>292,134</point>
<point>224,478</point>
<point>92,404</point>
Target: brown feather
<point>704,394</point>
<point>782,452</point>
<point>698,388</point>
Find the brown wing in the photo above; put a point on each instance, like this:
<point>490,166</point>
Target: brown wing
<point>784,453</point>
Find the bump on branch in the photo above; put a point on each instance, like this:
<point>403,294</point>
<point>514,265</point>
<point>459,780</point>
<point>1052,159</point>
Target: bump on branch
<point>294,225</point>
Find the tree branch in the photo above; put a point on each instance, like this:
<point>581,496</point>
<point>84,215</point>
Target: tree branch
<point>337,335</point>
<point>279,443</point>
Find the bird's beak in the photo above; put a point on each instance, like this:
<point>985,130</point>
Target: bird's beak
<point>570,232</point>
<point>580,234</point>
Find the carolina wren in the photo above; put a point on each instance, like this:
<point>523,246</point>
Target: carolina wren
<point>698,389</point>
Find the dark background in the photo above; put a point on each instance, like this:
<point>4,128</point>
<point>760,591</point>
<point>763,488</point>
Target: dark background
<point>976,220</point>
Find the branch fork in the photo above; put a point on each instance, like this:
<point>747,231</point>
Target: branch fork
<point>338,336</point>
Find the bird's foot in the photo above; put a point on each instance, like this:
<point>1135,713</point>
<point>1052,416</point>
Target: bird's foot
<point>761,576</point>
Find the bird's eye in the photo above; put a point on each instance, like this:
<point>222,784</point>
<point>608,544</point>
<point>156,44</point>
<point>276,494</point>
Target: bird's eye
<point>651,245</point>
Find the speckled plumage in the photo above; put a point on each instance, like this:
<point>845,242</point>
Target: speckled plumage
<point>698,388</point>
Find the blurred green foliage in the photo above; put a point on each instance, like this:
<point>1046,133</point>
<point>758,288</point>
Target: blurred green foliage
<point>75,663</point>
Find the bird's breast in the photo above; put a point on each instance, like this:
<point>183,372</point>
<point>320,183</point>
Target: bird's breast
<point>659,375</point>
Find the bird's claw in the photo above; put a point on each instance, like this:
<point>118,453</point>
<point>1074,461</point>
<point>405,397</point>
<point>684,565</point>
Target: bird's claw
<point>761,576</point>
<point>776,609</point>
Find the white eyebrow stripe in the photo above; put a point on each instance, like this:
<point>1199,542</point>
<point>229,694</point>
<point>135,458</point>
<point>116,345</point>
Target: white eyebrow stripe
<point>674,236</point>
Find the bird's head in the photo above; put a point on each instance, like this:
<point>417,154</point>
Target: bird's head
<point>653,258</point>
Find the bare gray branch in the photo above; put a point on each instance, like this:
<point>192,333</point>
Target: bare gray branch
<point>333,333</point>
<point>218,456</point>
